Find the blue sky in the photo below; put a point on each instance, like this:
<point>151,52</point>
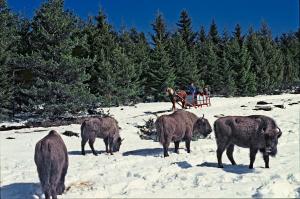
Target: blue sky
<point>281,15</point>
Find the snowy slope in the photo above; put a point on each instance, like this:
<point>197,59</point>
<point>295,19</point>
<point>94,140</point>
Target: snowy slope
<point>139,169</point>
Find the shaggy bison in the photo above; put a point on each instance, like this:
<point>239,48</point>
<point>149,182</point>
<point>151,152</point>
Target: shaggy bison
<point>256,132</point>
<point>180,125</point>
<point>106,128</point>
<point>51,159</point>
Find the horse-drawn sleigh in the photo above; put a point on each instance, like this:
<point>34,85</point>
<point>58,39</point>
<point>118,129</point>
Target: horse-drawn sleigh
<point>197,100</point>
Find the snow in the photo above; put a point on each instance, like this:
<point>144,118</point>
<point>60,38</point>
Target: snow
<point>139,169</point>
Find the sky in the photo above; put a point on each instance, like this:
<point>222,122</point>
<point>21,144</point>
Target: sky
<point>281,15</point>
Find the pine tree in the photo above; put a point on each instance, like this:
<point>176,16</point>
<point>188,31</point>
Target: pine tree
<point>141,57</point>
<point>258,61</point>
<point>160,36</point>
<point>184,63</point>
<point>273,58</point>
<point>102,42</point>
<point>239,58</point>
<point>213,33</point>
<point>209,66</point>
<point>202,35</point>
<point>227,85</point>
<point>289,44</point>
<point>59,77</point>
<point>238,34</point>
<point>161,74</point>
<point>8,41</point>
<point>136,48</point>
<point>185,29</point>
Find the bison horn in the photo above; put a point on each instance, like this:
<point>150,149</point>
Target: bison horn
<point>122,139</point>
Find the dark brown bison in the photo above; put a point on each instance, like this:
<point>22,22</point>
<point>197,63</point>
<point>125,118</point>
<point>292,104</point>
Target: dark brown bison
<point>106,128</point>
<point>51,159</point>
<point>256,132</point>
<point>180,125</point>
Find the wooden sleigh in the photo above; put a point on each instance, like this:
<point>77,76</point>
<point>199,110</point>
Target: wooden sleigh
<point>196,101</point>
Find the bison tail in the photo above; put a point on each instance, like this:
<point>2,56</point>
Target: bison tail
<point>82,128</point>
<point>42,159</point>
<point>160,132</point>
<point>215,129</point>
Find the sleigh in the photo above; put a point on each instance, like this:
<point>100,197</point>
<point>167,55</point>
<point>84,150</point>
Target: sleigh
<point>198,100</point>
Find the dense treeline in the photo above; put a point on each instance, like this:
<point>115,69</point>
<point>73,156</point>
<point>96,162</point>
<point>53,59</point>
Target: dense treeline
<point>57,63</point>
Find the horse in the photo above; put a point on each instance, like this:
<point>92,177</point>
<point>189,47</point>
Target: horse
<point>176,96</point>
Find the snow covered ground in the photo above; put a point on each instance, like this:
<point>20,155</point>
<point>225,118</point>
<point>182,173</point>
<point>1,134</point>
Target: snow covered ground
<point>139,169</point>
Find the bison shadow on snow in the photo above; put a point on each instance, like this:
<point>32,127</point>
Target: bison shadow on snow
<point>237,169</point>
<point>147,152</point>
<point>87,151</point>
<point>183,164</point>
<point>21,190</point>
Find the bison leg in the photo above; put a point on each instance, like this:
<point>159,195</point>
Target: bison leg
<point>176,146</point>
<point>166,146</point>
<point>106,144</point>
<point>110,144</point>
<point>220,151</point>
<point>229,153</point>
<point>61,184</point>
<point>54,196</point>
<point>266,159</point>
<point>188,145</point>
<point>253,152</point>
<point>183,104</point>
<point>47,196</point>
<point>83,142</point>
<point>173,106</point>
<point>91,143</point>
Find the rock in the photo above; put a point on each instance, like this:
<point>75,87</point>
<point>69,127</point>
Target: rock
<point>293,103</point>
<point>280,106</point>
<point>70,133</point>
<point>10,138</point>
<point>264,108</point>
<point>243,106</point>
<point>263,103</point>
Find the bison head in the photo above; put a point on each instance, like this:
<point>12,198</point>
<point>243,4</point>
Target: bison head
<point>117,144</point>
<point>202,127</point>
<point>271,140</point>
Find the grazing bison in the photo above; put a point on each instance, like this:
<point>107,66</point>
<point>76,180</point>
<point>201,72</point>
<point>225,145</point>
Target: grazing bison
<point>256,132</point>
<point>106,128</point>
<point>51,159</point>
<point>180,125</point>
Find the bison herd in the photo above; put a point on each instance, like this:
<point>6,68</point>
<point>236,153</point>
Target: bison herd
<point>256,132</point>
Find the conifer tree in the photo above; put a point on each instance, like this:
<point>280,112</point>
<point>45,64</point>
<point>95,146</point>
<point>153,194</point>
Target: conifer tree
<point>213,33</point>
<point>184,63</point>
<point>239,58</point>
<point>185,29</point>
<point>59,77</point>
<point>238,34</point>
<point>258,61</point>
<point>202,35</point>
<point>8,41</point>
<point>161,74</point>
<point>273,58</point>
<point>289,44</point>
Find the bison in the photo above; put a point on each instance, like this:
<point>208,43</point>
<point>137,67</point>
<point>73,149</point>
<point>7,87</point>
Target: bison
<point>51,159</point>
<point>180,125</point>
<point>106,128</point>
<point>256,132</point>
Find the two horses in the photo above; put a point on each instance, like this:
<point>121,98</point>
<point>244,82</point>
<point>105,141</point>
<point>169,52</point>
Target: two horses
<point>176,96</point>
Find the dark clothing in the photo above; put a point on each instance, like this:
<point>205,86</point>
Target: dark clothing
<point>192,89</point>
